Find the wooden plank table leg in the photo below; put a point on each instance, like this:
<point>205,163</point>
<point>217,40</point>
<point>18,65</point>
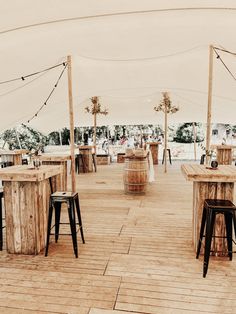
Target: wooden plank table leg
<point>210,190</point>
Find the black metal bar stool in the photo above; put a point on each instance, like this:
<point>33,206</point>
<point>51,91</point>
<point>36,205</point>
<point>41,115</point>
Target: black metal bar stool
<point>72,201</point>
<point>169,154</point>
<point>1,219</point>
<point>210,210</point>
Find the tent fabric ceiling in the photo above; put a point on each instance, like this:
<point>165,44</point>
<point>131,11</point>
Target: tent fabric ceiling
<point>127,52</point>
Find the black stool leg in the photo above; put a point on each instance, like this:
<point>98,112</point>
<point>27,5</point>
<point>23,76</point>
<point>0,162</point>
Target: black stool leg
<point>49,226</point>
<point>169,156</point>
<point>1,233</point>
<point>79,218</point>
<point>234,222</point>
<point>71,213</point>
<point>201,232</point>
<point>208,238</point>
<point>228,224</point>
<point>57,207</point>
<point>163,157</point>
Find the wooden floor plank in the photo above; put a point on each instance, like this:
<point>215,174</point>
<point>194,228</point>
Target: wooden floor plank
<point>138,256</point>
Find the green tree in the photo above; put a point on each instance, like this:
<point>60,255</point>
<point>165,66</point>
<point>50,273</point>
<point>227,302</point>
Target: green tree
<point>184,133</point>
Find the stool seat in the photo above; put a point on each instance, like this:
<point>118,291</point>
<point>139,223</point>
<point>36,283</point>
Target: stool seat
<point>211,208</point>
<point>72,200</point>
<point>219,204</point>
<point>63,195</point>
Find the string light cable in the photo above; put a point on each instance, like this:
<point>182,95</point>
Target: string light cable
<point>22,78</point>
<point>226,67</point>
<point>225,50</point>
<point>50,94</point>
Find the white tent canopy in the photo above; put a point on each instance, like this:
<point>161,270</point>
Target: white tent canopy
<point>127,52</point>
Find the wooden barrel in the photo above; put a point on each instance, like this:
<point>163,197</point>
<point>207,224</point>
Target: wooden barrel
<point>135,175</point>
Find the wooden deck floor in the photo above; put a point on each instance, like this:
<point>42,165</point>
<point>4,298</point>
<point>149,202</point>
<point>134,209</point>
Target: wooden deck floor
<point>138,257</point>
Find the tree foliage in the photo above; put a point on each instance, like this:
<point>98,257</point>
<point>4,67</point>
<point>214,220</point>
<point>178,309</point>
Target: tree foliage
<point>24,137</point>
<point>184,133</point>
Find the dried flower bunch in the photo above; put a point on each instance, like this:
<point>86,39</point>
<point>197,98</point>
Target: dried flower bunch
<point>166,104</point>
<point>95,107</point>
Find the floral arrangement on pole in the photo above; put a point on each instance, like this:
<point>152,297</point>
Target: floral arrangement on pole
<point>95,109</point>
<point>166,107</point>
<point>166,104</point>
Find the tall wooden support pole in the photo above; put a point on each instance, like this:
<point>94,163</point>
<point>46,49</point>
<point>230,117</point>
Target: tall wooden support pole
<point>194,141</point>
<point>71,112</point>
<point>210,78</point>
<point>60,137</point>
<point>166,135</point>
<point>94,131</point>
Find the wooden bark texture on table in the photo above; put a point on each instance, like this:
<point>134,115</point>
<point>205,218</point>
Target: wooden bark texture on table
<point>26,199</point>
<point>87,165</point>
<point>154,150</point>
<point>59,182</point>
<point>103,159</point>
<point>26,205</point>
<point>224,155</point>
<point>120,158</point>
<point>211,190</point>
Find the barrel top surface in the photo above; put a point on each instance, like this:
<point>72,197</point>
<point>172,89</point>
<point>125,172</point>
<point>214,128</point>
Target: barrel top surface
<point>154,143</point>
<point>25,173</point>
<point>200,173</point>
<point>86,147</point>
<point>134,157</point>
<point>52,157</point>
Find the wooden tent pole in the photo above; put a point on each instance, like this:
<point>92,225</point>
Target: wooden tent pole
<point>210,78</point>
<point>165,149</point>
<point>194,141</point>
<point>71,112</point>
<point>94,130</point>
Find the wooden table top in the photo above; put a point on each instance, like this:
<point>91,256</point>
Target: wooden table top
<point>25,173</point>
<point>200,173</point>
<point>52,157</point>
<point>223,146</point>
<point>13,152</point>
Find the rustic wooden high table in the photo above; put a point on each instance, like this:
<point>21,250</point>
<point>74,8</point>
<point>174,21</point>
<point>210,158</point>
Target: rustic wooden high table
<point>26,199</point>
<point>154,146</point>
<point>13,155</point>
<point>61,160</point>
<point>224,154</point>
<point>86,151</point>
<point>210,184</point>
